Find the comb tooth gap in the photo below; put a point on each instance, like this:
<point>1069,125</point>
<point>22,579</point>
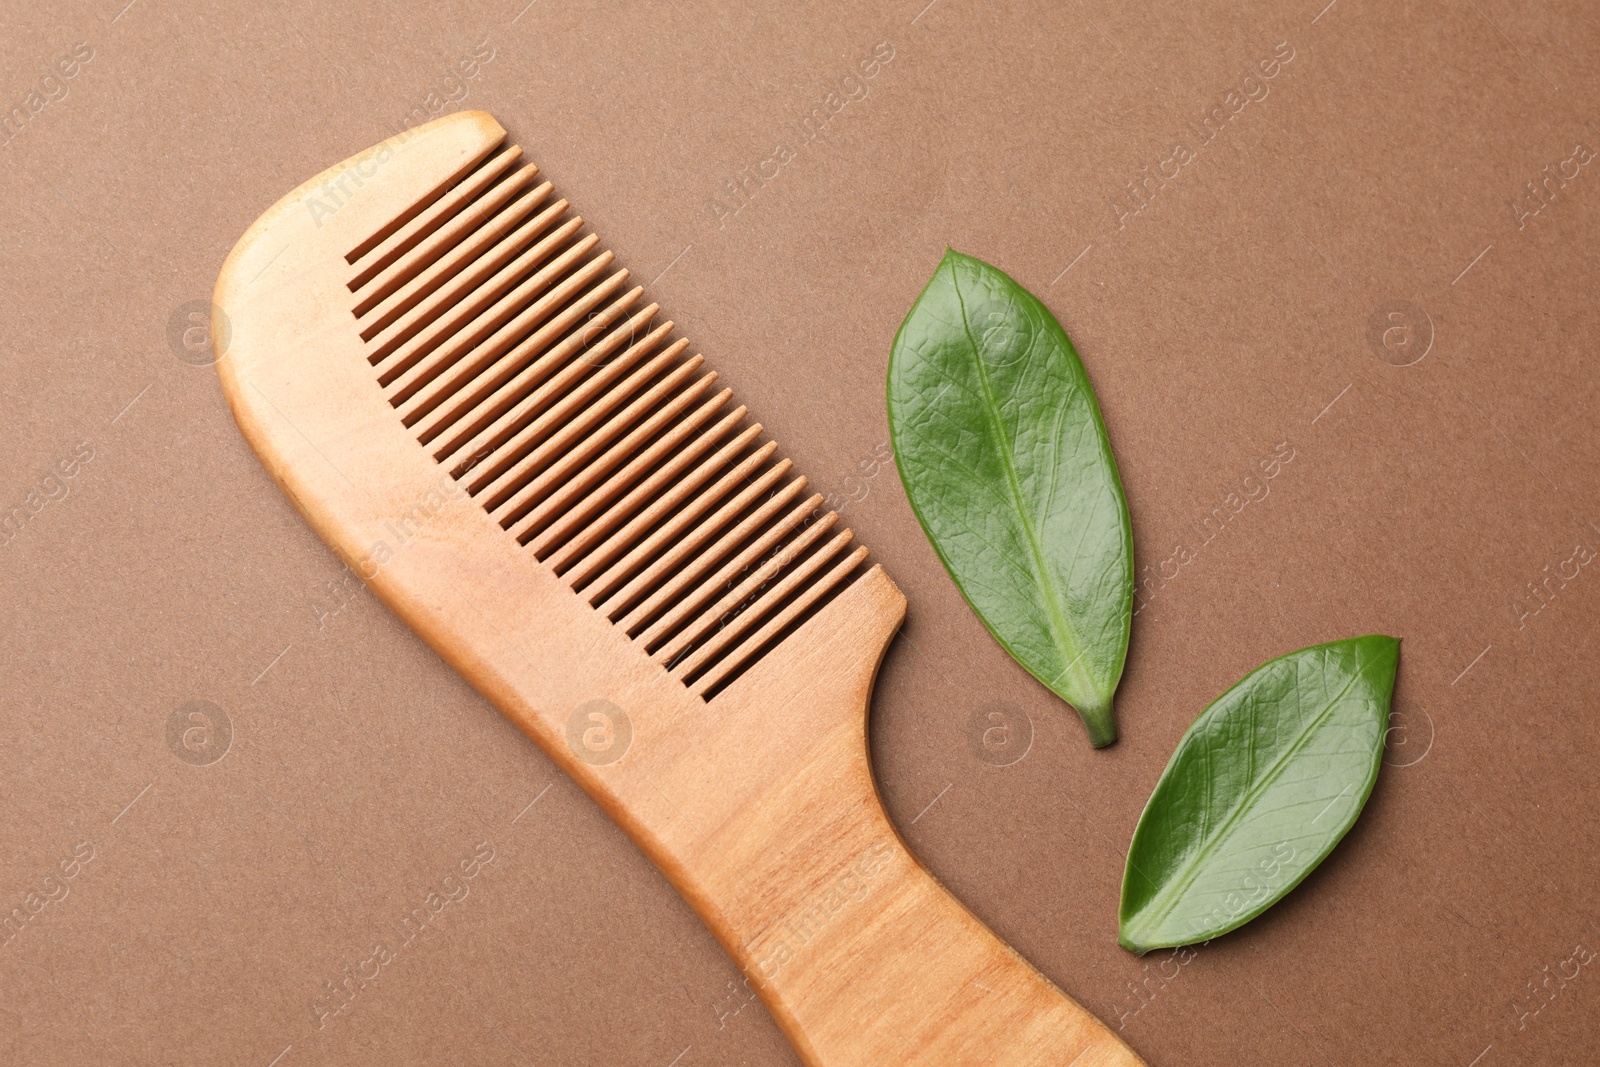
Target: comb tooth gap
<point>496,269</point>
<point>498,326</point>
<point>393,226</point>
<point>677,508</point>
<point>532,301</point>
<point>427,252</point>
<point>668,594</point>
<point>529,392</point>
<point>677,523</point>
<point>478,255</point>
<point>408,244</point>
<point>580,530</point>
<point>402,356</point>
<point>456,393</point>
<point>694,604</point>
<point>581,559</point>
<point>556,403</point>
<point>541,442</point>
<point>577,498</point>
<point>742,606</point>
<point>668,553</point>
<point>776,628</point>
<point>522,437</point>
<point>762,603</point>
<point>511,437</point>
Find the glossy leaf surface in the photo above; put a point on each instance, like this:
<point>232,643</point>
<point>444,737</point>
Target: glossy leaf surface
<point>1262,787</point>
<point>1000,444</point>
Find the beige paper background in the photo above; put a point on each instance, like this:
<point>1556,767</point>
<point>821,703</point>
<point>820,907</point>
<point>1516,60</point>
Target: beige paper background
<point>1230,315</point>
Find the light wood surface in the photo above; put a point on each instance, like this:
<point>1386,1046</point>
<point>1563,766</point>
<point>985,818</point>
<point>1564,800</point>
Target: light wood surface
<point>462,394</point>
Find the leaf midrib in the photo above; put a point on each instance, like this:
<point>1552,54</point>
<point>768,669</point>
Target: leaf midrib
<point>1059,625</point>
<point>1197,863</point>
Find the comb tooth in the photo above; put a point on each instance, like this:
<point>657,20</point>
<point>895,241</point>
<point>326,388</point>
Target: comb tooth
<point>587,388</point>
<point>679,523</point>
<point>459,391</point>
<point>398,316</point>
<point>674,552</point>
<point>635,484</point>
<point>580,538</point>
<point>410,239</point>
<point>521,361</point>
<point>697,567</point>
<point>384,240</point>
<point>753,644</point>
<point>591,559</point>
<point>552,433</point>
<point>535,298</point>
<point>569,503</point>
<point>510,494</point>
<point>401,357</point>
<point>726,576</point>
<point>430,251</point>
<point>712,625</point>
<point>520,384</point>
<point>523,397</point>
<point>448,182</point>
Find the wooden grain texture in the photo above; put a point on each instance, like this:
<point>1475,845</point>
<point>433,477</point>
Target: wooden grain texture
<point>758,804</point>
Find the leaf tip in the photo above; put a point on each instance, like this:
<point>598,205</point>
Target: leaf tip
<point>1387,649</point>
<point>950,258</point>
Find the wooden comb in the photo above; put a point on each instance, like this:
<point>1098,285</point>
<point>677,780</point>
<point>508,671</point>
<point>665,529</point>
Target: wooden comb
<point>465,397</point>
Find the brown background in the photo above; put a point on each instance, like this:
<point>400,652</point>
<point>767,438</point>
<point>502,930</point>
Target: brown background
<point>1229,315</point>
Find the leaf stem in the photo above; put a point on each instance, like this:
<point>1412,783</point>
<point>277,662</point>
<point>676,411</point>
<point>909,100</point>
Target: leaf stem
<point>1101,722</point>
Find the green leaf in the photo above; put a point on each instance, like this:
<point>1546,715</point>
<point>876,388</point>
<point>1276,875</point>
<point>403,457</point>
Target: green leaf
<point>1005,460</point>
<point>1263,785</point>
